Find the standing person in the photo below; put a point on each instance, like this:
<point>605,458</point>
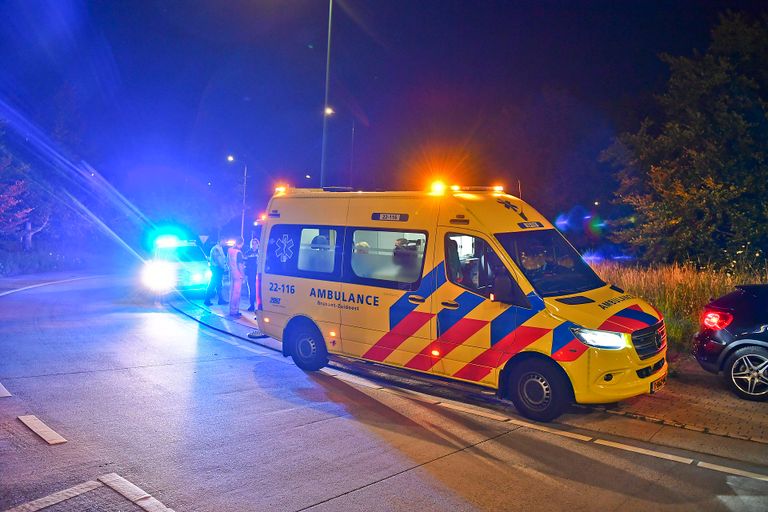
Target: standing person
<point>218,263</point>
<point>251,262</point>
<point>236,275</point>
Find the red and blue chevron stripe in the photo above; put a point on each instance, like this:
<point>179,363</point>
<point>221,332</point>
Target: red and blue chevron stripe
<point>629,319</point>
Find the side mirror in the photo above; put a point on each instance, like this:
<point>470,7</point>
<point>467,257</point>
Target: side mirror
<point>508,292</point>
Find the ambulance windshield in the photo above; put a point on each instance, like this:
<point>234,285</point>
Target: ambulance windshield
<point>551,264</point>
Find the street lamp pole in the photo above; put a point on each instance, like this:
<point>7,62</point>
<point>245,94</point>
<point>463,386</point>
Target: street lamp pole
<point>230,159</point>
<point>325,102</point>
<point>242,217</point>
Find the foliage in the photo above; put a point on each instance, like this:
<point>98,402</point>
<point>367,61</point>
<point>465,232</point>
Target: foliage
<point>696,175</point>
<point>680,291</point>
<point>14,197</point>
<point>13,212</point>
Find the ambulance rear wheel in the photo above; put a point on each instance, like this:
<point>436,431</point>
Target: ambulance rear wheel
<point>308,348</point>
<point>539,390</point>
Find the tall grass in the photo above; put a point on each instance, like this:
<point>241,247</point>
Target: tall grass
<point>678,291</point>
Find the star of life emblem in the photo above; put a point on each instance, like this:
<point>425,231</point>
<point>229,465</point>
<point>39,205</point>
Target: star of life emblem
<point>284,249</point>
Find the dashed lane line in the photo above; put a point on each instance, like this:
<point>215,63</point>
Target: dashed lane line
<point>41,429</point>
<point>652,453</point>
<point>4,392</point>
<point>732,471</point>
<point>57,497</point>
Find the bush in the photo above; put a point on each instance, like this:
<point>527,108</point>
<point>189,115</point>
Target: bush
<point>679,291</point>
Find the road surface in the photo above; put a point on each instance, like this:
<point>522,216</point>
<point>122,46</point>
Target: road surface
<point>198,421</point>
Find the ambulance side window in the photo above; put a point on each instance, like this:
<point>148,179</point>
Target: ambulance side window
<point>304,251</point>
<point>317,249</point>
<point>471,263</point>
<point>388,258</point>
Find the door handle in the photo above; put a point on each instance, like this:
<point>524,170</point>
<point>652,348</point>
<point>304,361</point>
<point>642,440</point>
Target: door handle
<point>449,304</point>
<point>416,299</point>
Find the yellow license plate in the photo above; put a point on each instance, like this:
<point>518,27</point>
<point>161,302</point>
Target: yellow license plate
<point>658,384</point>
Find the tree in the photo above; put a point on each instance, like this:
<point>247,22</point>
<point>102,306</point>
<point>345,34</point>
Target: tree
<point>13,213</point>
<point>696,176</point>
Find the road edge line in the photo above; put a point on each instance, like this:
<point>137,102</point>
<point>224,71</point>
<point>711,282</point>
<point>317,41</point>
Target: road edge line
<point>47,283</point>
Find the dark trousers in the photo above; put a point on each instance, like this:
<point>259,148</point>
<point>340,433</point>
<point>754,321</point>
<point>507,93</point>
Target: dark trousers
<point>251,280</point>
<point>215,287</point>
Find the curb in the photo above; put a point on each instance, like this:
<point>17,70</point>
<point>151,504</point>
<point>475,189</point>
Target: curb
<point>677,424</point>
<point>219,329</point>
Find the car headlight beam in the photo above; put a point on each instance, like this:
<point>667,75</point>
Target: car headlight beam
<point>601,339</point>
<point>159,276</point>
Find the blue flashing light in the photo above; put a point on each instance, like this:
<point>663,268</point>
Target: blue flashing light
<point>166,241</point>
<point>562,222</point>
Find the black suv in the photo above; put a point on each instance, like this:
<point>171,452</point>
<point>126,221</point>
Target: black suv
<point>733,338</point>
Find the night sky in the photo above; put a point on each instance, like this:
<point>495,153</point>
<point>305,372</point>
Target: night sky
<point>157,93</point>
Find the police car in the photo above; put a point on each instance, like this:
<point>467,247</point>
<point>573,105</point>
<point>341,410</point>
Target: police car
<point>176,265</point>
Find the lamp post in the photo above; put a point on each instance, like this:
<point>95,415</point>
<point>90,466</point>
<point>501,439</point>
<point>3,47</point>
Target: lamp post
<point>327,111</point>
<point>231,159</point>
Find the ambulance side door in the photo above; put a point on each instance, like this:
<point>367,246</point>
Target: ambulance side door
<point>469,324</point>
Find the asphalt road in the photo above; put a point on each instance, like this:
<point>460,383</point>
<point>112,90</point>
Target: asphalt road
<point>200,423</point>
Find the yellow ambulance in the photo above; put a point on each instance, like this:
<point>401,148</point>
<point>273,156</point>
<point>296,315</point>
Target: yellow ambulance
<point>464,283</point>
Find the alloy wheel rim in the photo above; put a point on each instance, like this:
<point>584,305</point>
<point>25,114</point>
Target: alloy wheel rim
<point>749,373</point>
<point>535,391</point>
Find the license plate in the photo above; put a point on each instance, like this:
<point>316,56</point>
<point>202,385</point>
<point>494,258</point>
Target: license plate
<point>658,384</point>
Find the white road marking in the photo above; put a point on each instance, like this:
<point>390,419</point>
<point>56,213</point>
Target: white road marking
<point>542,428</point>
<point>133,493</point>
<point>354,379</point>
<point>732,471</point>
<point>56,497</point>
<point>472,410</point>
<point>651,453</point>
<point>48,283</point>
<point>41,429</point>
<point>4,392</point>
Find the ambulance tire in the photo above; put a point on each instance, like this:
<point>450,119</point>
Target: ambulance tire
<point>539,389</point>
<point>307,347</point>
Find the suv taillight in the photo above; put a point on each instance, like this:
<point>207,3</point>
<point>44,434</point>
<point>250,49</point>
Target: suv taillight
<point>716,320</point>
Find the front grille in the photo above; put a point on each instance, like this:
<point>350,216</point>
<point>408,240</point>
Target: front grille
<point>650,370</point>
<point>650,341</point>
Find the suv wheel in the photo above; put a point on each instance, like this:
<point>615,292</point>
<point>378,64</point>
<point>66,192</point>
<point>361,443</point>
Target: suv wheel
<point>539,390</point>
<point>746,373</point>
<point>308,348</point>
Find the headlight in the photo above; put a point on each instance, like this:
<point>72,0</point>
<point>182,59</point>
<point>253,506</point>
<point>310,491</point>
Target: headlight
<point>159,276</point>
<point>601,339</point>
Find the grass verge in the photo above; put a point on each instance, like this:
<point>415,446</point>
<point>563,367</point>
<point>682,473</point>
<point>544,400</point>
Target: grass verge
<point>679,291</point>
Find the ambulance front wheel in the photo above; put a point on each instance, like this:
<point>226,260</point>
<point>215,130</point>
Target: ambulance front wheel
<point>539,390</point>
<point>307,348</point>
